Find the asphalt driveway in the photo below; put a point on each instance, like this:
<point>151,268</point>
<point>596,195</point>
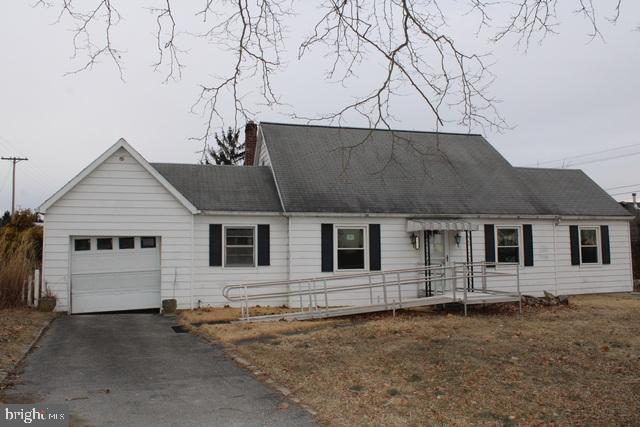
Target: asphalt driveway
<point>133,369</point>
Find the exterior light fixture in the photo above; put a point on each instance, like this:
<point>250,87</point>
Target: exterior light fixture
<point>415,240</point>
<point>458,237</point>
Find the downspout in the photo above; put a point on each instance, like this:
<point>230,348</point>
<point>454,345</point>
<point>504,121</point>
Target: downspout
<point>556,221</point>
<point>628,233</point>
<point>193,248</point>
<point>288,247</point>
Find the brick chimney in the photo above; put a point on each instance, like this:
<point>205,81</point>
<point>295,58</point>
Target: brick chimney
<point>250,140</point>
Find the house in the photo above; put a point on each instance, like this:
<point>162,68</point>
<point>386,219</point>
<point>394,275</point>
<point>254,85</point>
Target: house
<point>634,228</point>
<point>317,201</point>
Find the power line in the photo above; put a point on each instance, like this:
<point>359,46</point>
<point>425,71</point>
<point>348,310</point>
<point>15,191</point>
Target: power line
<point>606,159</point>
<point>31,168</point>
<point>580,156</point>
<point>622,186</point>
<point>14,160</point>
<point>625,192</point>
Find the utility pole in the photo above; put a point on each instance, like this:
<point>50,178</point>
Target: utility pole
<point>14,160</point>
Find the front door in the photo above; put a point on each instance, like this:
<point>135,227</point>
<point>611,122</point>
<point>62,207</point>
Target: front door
<point>436,256</point>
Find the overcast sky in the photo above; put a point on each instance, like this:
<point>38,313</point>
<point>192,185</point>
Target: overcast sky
<point>566,98</point>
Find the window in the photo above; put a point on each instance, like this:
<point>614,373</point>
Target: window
<point>82,244</point>
<point>126,243</point>
<point>105,244</point>
<point>239,247</point>
<point>508,244</point>
<point>589,245</point>
<point>147,242</point>
<point>350,248</point>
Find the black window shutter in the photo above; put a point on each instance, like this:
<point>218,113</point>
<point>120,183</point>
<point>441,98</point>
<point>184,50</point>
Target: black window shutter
<point>327,247</point>
<point>263,245</point>
<point>215,245</point>
<point>527,237</point>
<point>574,237</point>
<point>375,263</point>
<point>604,240</point>
<point>489,243</point>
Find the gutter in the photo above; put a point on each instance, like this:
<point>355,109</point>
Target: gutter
<point>418,215</point>
<point>456,216</point>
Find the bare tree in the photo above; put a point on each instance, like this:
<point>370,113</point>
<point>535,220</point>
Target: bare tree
<point>410,38</point>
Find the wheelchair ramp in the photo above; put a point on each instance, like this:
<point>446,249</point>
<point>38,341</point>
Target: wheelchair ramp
<point>463,283</point>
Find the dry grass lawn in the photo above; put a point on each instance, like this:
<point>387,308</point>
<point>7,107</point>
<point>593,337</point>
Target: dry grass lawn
<point>577,365</point>
<point>224,314</point>
<point>18,328</point>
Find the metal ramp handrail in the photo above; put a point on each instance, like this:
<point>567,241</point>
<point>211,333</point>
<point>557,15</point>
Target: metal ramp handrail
<point>228,289</point>
<point>322,286</point>
<point>468,269</point>
<point>341,276</point>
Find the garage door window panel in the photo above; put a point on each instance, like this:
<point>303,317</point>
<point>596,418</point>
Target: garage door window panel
<point>105,244</point>
<point>126,243</point>
<point>147,242</point>
<point>82,245</point>
<point>239,247</point>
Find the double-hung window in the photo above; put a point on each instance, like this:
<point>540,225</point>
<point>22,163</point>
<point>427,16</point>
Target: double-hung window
<point>350,248</point>
<point>508,244</point>
<point>239,247</point>
<point>589,247</point>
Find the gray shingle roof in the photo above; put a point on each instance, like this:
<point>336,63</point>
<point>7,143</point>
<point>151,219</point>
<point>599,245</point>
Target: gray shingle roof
<point>224,188</point>
<point>568,192</point>
<point>330,169</point>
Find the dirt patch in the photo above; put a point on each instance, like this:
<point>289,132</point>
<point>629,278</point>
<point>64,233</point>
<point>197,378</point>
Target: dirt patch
<point>554,365</point>
<point>221,315</point>
<point>18,328</point>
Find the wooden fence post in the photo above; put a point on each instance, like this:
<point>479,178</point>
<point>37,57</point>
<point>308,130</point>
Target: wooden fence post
<point>37,288</point>
<point>29,289</point>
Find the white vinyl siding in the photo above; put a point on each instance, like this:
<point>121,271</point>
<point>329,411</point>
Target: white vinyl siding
<point>263,157</point>
<point>209,281</point>
<point>396,253</point>
<point>550,272</point>
<point>119,198</point>
<point>566,278</point>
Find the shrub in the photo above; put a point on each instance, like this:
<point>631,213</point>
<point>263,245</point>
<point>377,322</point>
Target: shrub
<point>20,255</point>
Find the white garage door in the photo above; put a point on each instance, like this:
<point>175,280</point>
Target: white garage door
<point>114,273</point>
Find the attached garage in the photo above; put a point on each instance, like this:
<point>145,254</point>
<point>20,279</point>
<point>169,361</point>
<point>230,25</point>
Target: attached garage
<point>118,236</point>
<point>113,273</point>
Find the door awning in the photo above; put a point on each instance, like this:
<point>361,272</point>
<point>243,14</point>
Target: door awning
<point>414,225</point>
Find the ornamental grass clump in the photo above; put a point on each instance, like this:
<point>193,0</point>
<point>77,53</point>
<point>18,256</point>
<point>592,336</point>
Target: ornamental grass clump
<point>20,255</point>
